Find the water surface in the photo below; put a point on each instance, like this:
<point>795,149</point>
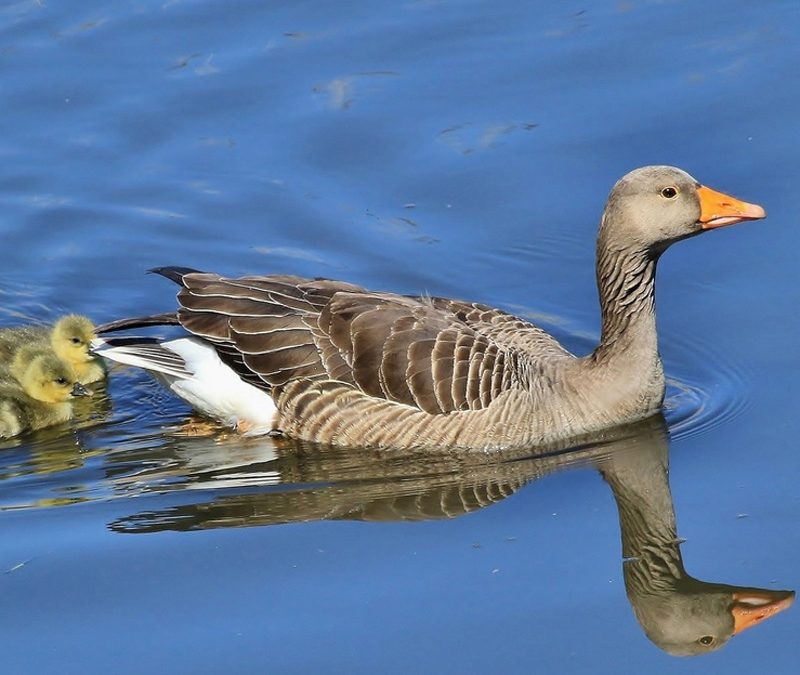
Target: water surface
<point>458,148</point>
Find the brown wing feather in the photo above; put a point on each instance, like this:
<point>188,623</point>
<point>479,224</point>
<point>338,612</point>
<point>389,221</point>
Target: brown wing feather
<point>395,362</point>
<point>443,368</point>
<point>420,374</point>
<point>369,332</point>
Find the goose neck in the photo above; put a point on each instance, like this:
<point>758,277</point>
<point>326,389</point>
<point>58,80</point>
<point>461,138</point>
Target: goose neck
<point>626,284</point>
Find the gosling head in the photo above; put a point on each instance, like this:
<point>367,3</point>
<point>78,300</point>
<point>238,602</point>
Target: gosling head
<point>71,338</point>
<point>655,206</point>
<point>46,377</point>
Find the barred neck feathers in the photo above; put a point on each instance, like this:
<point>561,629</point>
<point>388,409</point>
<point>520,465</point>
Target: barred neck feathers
<point>626,284</point>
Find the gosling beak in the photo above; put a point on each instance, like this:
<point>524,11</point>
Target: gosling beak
<point>79,390</point>
<point>754,606</point>
<point>718,209</point>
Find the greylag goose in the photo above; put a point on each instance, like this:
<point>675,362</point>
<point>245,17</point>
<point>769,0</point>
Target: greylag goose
<point>70,338</point>
<point>36,392</point>
<point>331,362</point>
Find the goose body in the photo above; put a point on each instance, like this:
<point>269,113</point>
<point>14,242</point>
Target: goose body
<point>348,366</point>
<point>36,391</point>
<point>69,337</point>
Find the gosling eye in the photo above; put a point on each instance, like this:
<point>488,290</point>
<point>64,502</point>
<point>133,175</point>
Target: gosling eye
<point>76,341</point>
<point>669,192</point>
<point>61,380</point>
<point>706,640</point>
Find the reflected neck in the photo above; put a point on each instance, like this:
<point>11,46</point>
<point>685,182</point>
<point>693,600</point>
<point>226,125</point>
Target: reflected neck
<point>650,543</point>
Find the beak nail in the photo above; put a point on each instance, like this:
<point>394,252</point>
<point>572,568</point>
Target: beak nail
<point>79,390</point>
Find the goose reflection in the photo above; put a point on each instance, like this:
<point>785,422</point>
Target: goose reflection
<point>296,482</point>
<point>682,615</point>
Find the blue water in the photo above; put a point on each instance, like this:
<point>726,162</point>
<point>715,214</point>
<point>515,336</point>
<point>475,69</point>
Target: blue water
<point>458,148</point>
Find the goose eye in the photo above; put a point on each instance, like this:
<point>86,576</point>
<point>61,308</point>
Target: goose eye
<point>76,341</point>
<point>706,640</point>
<point>61,380</point>
<point>669,192</point>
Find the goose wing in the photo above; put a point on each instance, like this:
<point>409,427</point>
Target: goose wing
<point>435,354</point>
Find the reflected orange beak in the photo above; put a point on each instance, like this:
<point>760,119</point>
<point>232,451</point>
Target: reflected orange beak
<point>718,209</point>
<point>753,607</point>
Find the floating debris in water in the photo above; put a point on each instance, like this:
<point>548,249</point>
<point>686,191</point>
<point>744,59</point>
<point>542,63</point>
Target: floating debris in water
<point>183,61</point>
<point>18,566</point>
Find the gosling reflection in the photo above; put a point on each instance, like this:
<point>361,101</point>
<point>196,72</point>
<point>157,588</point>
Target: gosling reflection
<point>296,482</point>
<point>55,450</point>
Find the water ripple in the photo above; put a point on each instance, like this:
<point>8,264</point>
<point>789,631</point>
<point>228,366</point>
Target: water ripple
<point>703,391</point>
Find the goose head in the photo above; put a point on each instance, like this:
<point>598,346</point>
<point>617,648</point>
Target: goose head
<point>45,377</point>
<point>699,617</point>
<point>71,339</point>
<point>654,206</point>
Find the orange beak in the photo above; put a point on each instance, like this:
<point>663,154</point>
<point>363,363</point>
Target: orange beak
<point>753,607</point>
<point>718,209</point>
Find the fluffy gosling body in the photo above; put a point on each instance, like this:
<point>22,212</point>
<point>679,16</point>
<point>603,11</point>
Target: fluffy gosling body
<point>36,392</point>
<point>70,338</point>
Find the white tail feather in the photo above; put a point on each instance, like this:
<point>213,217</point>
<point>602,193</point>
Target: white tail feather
<point>149,357</point>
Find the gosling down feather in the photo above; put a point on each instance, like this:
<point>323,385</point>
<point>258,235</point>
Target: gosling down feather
<point>70,338</point>
<point>334,363</point>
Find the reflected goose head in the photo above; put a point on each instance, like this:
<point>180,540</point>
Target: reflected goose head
<point>700,617</point>
<point>654,206</point>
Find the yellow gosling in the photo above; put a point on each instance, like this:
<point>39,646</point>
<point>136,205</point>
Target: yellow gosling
<point>36,392</point>
<point>70,337</point>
